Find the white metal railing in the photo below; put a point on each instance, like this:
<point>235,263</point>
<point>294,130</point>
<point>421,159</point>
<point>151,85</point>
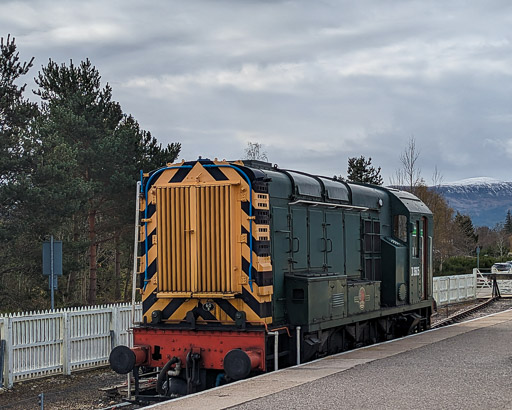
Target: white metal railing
<point>454,289</point>
<point>43,343</point>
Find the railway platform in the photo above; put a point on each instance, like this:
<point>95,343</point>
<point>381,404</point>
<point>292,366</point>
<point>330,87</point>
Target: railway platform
<point>462,366</point>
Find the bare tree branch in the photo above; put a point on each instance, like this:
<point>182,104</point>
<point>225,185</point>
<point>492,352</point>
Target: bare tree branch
<point>254,151</point>
<point>411,171</point>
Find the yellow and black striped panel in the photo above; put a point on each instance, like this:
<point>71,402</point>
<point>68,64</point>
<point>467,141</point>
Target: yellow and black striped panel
<point>197,248</point>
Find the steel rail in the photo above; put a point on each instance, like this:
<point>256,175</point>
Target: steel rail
<point>455,318</point>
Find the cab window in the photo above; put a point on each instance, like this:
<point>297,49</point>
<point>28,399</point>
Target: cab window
<point>416,240</point>
<point>400,227</point>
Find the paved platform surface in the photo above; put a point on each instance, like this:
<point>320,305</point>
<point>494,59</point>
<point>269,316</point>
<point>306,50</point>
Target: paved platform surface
<point>463,366</point>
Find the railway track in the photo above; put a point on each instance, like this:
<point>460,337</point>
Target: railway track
<point>465,314</point>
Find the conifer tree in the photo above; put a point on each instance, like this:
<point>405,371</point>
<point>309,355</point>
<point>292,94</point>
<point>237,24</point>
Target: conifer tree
<point>16,115</point>
<point>16,112</point>
<point>103,149</point>
<point>465,237</point>
<point>361,170</point>
<point>68,169</point>
<point>508,223</point>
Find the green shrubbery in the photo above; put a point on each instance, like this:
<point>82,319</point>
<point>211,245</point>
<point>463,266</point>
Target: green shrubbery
<point>462,265</point>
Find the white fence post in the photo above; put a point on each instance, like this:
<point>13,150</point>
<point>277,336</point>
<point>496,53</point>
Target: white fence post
<point>3,352</point>
<point>66,344</point>
<point>435,290</point>
<point>8,352</point>
<point>114,326</point>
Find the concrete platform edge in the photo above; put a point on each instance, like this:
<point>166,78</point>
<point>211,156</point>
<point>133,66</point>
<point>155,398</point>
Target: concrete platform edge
<point>250,389</point>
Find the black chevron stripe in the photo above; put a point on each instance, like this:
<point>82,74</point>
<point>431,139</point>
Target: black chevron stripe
<point>246,208</point>
<point>261,309</point>
<point>261,278</point>
<point>261,248</point>
<point>150,301</point>
<point>152,269</point>
<point>150,234</point>
<point>217,174</point>
<point>226,307</point>
<point>180,175</point>
<point>169,310</point>
<point>203,313</point>
<point>151,273</point>
<point>151,211</point>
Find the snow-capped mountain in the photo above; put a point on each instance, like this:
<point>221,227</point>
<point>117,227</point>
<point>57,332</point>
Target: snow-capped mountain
<point>485,200</point>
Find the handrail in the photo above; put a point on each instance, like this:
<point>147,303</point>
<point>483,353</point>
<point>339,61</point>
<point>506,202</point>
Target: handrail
<point>329,205</point>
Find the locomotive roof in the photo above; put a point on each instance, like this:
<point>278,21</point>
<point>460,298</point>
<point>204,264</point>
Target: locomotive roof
<point>327,189</point>
<point>411,202</point>
<point>308,188</point>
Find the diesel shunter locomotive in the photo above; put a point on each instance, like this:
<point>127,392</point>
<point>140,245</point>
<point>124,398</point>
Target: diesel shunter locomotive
<point>245,267</point>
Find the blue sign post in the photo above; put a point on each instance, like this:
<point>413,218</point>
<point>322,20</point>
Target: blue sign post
<point>52,264</point>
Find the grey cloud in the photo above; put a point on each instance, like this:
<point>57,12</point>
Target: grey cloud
<point>314,82</point>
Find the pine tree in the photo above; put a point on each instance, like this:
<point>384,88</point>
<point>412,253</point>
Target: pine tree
<point>508,223</point>
<point>135,150</point>
<point>361,170</point>
<point>16,112</point>
<point>103,152</point>
<point>69,170</point>
<point>465,237</point>
<point>17,115</point>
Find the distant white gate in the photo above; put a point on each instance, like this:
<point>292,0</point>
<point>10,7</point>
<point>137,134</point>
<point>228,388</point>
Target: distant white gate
<point>37,344</point>
<point>484,283</point>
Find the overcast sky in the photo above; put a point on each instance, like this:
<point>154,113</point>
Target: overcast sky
<point>315,82</point>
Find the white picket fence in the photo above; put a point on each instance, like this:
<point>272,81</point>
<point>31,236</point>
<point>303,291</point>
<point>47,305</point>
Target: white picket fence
<point>66,340</point>
<point>454,289</point>
<point>38,344</point>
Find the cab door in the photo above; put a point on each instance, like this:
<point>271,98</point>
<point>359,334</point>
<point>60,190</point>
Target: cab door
<point>416,258</point>
<point>425,260</point>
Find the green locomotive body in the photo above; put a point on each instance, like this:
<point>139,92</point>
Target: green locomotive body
<point>352,263</point>
<point>245,267</point>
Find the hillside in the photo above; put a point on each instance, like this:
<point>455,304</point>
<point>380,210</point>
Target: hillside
<point>485,200</point>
